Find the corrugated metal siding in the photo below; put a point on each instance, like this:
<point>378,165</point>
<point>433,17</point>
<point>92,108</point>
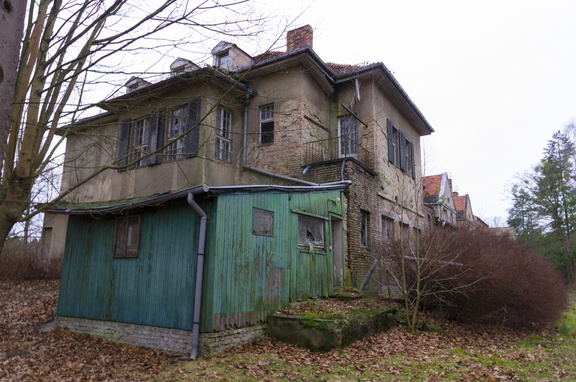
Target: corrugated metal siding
<point>157,288</point>
<point>248,276</point>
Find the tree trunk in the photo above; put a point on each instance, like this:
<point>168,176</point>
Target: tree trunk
<point>13,207</point>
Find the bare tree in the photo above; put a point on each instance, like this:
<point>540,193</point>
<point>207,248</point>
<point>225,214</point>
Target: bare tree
<point>69,45</point>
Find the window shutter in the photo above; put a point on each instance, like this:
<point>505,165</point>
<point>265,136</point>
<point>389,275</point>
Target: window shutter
<point>124,144</point>
<point>192,137</point>
<point>412,161</point>
<point>391,153</point>
<point>155,137</point>
<point>403,158</point>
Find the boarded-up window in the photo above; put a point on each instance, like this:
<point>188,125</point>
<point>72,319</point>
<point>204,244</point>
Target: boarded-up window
<point>262,222</point>
<point>310,233</point>
<point>127,236</point>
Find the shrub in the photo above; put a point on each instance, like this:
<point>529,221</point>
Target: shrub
<point>482,276</point>
<point>22,262</point>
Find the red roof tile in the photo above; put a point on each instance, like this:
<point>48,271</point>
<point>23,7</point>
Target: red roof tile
<point>346,68</point>
<point>459,202</point>
<point>432,184</point>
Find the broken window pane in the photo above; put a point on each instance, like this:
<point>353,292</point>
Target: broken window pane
<point>262,222</point>
<point>310,233</point>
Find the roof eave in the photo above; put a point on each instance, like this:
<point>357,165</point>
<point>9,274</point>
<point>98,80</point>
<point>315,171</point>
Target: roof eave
<point>306,56</point>
<point>183,80</point>
<point>394,90</point>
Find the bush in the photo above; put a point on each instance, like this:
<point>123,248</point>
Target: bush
<point>22,262</point>
<point>484,277</point>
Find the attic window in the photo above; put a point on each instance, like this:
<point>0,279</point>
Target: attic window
<point>224,60</point>
<point>310,233</point>
<point>127,236</point>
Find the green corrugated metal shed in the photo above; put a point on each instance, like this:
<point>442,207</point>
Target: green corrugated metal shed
<point>246,276</point>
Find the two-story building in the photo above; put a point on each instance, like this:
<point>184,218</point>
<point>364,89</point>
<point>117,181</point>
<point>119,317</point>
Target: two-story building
<point>286,172</point>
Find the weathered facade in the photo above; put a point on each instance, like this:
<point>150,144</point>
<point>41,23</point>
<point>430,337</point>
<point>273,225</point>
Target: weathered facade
<point>280,118</point>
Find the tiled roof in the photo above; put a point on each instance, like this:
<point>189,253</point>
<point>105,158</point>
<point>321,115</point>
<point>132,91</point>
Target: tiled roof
<point>346,68</point>
<point>459,202</point>
<point>432,184</point>
<point>267,55</point>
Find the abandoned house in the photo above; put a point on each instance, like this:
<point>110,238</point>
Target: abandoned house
<point>438,197</point>
<point>286,173</point>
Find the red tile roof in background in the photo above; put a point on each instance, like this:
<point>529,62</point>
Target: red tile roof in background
<point>432,184</point>
<point>459,202</point>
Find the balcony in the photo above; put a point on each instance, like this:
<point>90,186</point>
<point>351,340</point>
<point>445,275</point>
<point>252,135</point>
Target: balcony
<point>336,148</point>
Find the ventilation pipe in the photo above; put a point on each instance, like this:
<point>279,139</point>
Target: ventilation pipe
<point>199,268</point>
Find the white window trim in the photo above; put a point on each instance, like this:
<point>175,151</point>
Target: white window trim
<point>352,145</point>
<point>223,133</point>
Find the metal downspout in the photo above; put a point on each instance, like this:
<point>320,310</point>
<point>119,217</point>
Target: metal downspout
<point>199,269</point>
<point>245,128</point>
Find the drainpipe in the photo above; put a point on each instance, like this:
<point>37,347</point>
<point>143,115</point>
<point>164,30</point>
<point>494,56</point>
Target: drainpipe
<point>199,268</point>
<point>342,170</point>
<point>245,126</point>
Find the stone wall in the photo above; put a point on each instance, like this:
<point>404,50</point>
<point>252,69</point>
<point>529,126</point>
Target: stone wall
<point>169,340</point>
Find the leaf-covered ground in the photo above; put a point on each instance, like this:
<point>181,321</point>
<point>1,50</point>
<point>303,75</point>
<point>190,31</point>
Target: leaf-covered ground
<point>27,354</point>
<point>459,353</point>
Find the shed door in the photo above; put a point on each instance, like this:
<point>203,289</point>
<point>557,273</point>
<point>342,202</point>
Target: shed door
<point>337,251</point>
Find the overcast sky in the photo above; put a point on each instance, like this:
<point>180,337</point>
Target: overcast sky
<point>495,79</point>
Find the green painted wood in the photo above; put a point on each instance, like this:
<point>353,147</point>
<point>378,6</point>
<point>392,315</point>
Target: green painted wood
<point>250,276</point>
<point>156,288</point>
<point>246,276</point>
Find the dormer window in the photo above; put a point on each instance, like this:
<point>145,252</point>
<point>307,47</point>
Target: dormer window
<point>224,60</point>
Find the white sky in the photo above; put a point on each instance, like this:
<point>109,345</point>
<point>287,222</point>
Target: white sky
<point>494,78</point>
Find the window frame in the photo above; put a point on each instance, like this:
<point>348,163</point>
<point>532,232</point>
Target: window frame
<point>304,242</point>
<point>153,136</point>
<point>124,228</point>
<point>224,60</point>
<point>266,124</point>
<point>400,150</point>
<point>223,134</point>
<point>139,141</point>
<point>348,139</point>
<point>387,229</point>
<point>175,138</point>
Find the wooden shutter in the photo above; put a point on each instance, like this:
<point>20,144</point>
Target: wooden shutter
<point>124,145</point>
<point>412,161</point>
<point>403,158</point>
<point>156,137</point>
<point>192,137</point>
<point>391,151</point>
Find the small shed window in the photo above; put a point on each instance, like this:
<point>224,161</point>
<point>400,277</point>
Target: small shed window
<point>310,233</point>
<point>127,236</point>
<point>262,222</point>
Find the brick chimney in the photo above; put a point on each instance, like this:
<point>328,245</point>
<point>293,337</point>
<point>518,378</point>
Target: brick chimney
<point>299,38</point>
